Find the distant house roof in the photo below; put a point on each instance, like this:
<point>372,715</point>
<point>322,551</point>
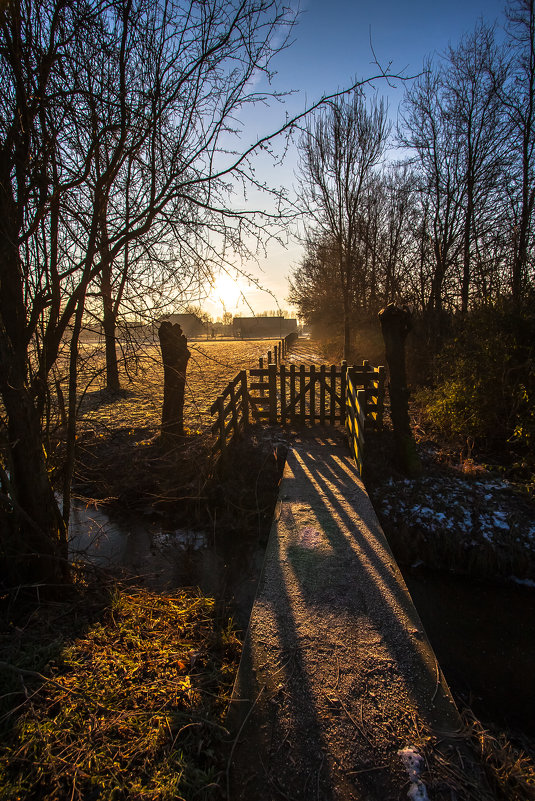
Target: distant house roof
<point>264,326</point>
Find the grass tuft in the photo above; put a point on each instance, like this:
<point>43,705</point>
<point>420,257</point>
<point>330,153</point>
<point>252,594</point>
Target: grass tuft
<point>132,709</point>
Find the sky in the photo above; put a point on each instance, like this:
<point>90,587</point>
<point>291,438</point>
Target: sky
<point>330,47</point>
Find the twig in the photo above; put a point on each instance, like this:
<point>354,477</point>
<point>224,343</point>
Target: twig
<point>366,770</point>
<point>438,680</point>
<point>351,718</point>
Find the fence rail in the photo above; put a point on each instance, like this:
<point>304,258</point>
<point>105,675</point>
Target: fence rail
<point>298,394</point>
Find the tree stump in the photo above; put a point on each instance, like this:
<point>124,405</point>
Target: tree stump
<point>175,356</point>
<point>396,323</point>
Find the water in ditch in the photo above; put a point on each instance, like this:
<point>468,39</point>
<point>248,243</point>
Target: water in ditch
<point>153,553</point>
<point>483,635</point>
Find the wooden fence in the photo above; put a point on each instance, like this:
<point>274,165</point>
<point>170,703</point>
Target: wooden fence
<point>296,395</point>
<point>355,419</point>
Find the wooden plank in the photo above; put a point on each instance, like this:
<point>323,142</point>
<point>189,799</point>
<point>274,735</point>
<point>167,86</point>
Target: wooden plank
<point>257,372</point>
<point>343,381</point>
<point>257,408</point>
<point>292,394</point>
<point>302,393</point>
<point>283,394</point>
<point>297,399</point>
<point>322,395</point>
<point>332,391</point>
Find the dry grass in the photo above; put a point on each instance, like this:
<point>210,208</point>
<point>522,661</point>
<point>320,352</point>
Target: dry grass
<point>211,366</point>
<point>130,709</point>
<point>509,766</point>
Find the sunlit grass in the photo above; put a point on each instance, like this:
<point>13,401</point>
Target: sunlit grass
<point>132,709</point>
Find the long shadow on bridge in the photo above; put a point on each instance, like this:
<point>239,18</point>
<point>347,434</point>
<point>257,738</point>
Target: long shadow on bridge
<point>337,674</point>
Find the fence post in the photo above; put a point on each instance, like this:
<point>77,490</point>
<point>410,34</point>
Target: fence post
<point>361,412</point>
<point>380,397</point>
<point>276,353</point>
<point>261,378</point>
<point>244,398</point>
<point>272,379</point>
<point>343,380</point>
<point>221,420</point>
<point>283,394</point>
<point>269,357</point>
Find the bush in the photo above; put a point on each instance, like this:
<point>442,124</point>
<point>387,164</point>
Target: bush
<point>484,379</point>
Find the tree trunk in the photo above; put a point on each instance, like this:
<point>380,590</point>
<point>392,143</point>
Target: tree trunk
<point>33,549</point>
<point>175,356</point>
<point>467,239</point>
<point>347,319</point>
<point>395,325</point>
<point>109,325</point>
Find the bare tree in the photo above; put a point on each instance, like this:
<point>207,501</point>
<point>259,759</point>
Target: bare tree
<point>471,81</point>
<point>339,151</point>
<point>69,132</point>
<point>518,99</point>
<point>314,288</point>
<point>428,132</point>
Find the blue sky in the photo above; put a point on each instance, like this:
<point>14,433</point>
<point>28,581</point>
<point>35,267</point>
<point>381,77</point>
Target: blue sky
<point>331,45</point>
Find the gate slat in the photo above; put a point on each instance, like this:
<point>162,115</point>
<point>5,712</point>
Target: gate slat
<point>322,394</point>
<point>333,395</point>
<point>302,390</point>
<point>283,394</point>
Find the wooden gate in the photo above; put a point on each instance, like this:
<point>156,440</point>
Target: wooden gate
<point>296,395</point>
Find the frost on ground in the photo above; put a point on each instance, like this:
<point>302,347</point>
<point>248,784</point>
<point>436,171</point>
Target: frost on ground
<point>471,513</point>
<point>474,509</point>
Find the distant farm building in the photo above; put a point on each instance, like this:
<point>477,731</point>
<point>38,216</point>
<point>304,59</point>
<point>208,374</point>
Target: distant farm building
<point>274,327</point>
<point>190,324</point>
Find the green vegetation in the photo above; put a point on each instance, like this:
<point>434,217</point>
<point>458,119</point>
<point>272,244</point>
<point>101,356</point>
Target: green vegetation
<point>483,391</point>
<point>130,708</point>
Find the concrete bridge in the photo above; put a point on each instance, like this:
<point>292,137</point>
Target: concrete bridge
<point>339,694</point>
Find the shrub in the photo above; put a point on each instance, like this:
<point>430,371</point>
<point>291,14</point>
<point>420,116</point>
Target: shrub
<point>484,379</point>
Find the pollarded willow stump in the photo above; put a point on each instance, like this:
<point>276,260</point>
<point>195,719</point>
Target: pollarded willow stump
<point>396,323</point>
<point>175,356</point>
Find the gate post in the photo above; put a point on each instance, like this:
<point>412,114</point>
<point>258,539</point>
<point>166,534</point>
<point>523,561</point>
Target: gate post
<point>395,325</point>
<point>244,398</point>
<point>272,389</point>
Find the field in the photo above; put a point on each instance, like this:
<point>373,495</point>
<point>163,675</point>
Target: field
<point>211,366</point>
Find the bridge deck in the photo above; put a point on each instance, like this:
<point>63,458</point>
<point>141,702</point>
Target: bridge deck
<point>337,674</point>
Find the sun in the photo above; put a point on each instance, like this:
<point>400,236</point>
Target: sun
<point>227,291</point>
